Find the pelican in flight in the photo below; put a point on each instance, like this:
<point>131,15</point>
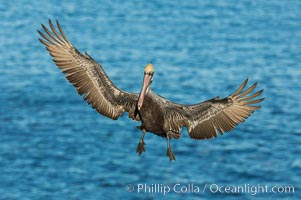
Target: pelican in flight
<point>156,113</point>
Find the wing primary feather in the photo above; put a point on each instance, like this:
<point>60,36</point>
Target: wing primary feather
<point>254,108</point>
<point>243,85</point>
<point>252,96</point>
<point>46,38</point>
<point>254,101</point>
<point>250,89</point>
<point>62,32</point>
<point>51,35</point>
<point>44,42</point>
<point>55,32</point>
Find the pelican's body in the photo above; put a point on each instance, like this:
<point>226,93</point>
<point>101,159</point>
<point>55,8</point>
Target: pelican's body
<point>152,114</point>
<point>157,114</point>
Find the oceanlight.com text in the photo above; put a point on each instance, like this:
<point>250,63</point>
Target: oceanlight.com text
<point>213,188</point>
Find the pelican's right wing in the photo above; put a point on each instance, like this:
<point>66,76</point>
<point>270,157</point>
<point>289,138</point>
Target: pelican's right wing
<point>87,76</point>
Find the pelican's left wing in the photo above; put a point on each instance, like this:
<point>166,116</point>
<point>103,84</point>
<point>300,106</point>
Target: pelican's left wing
<point>222,115</point>
<point>205,120</point>
<point>87,76</point>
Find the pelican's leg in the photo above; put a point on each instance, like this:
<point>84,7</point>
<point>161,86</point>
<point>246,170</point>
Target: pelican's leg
<point>140,147</point>
<point>170,153</point>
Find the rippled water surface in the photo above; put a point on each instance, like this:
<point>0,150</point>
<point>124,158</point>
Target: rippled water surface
<point>54,146</point>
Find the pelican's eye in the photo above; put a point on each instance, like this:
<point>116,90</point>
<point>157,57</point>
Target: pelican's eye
<point>149,73</point>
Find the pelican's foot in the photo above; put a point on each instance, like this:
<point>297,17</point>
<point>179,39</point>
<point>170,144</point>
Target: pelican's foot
<point>170,154</point>
<point>140,147</point>
<point>141,144</point>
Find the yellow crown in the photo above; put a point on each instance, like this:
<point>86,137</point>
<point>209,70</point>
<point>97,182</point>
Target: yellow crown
<point>149,68</point>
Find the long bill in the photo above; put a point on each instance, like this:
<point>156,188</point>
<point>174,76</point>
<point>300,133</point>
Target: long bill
<point>146,82</point>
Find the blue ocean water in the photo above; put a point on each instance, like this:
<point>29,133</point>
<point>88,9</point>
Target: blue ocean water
<point>54,146</point>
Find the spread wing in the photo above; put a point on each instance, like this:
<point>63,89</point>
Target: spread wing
<point>87,76</point>
<point>205,120</point>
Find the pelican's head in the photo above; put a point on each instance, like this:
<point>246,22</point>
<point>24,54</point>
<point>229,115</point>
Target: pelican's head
<point>147,80</point>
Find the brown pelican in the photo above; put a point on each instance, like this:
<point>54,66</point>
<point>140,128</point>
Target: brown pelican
<point>157,114</point>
